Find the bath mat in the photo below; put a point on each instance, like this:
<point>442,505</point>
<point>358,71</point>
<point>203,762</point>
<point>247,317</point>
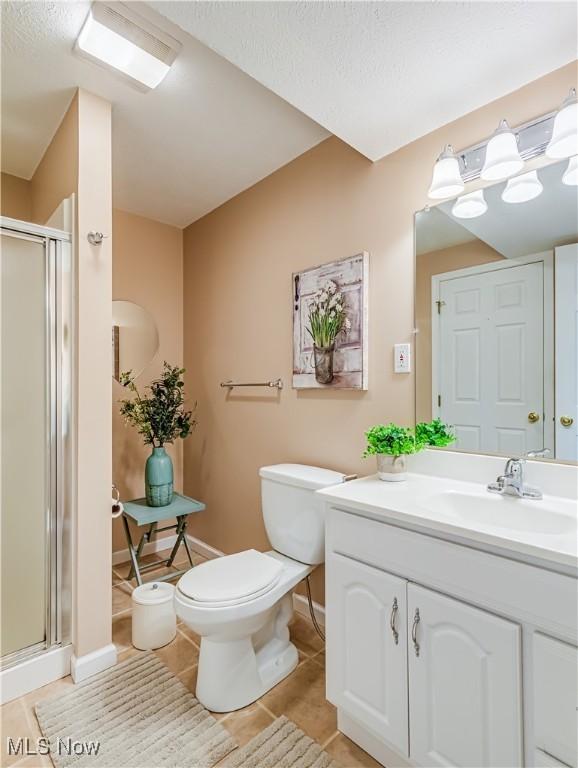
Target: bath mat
<point>281,744</point>
<point>138,715</point>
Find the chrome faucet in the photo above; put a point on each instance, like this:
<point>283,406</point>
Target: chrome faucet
<point>539,454</point>
<point>511,483</point>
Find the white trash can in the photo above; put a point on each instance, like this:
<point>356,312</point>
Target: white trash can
<point>154,621</point>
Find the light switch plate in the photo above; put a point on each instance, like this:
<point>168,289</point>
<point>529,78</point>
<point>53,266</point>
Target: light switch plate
<point>402,358</point>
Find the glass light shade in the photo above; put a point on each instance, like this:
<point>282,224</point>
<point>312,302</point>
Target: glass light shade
<point>522,188</point>
<point>446,180</point>
<point>470,206</point>
<point>502,156</point>
<point>122,54</point>
<point>564,141</point>
<point>570,177</point>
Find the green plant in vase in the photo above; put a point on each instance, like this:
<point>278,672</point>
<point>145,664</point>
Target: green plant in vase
<point>327,319</point>
<point>160,417</point>
<point>391,444</point>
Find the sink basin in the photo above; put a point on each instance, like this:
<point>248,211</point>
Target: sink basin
<point>555,517</point>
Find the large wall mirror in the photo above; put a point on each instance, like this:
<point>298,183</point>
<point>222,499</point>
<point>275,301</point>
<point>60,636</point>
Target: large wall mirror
<point>135,338</point>
<point>497,318</point>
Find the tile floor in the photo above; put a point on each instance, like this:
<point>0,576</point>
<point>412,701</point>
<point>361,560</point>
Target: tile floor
<point>301,696</point>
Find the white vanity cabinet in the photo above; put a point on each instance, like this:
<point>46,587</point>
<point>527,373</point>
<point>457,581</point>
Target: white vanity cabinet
<point>443,655</point>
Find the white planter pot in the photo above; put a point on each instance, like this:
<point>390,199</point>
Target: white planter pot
<point>391,468</point>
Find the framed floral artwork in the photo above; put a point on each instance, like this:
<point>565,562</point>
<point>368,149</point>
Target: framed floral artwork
<point>330,325</point>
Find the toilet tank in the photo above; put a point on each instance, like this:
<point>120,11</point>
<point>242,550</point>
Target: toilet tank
<point>292,511</point>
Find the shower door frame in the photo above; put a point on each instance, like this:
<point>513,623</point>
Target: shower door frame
<point>59,361</point>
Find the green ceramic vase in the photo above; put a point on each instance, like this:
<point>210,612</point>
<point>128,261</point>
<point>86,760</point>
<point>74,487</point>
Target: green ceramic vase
<point>159,478</point>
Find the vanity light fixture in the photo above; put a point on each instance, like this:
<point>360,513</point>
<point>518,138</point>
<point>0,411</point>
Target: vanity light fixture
<point>522,188</point>
<point>120,39</point>
<point>502,155</point>
<point>470,206</point>
<point>446,180</point>
<point>570,177</point>
<point>564,141</point>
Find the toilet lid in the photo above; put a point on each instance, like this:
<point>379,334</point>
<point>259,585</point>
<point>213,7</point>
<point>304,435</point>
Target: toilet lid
<point>232,578</point>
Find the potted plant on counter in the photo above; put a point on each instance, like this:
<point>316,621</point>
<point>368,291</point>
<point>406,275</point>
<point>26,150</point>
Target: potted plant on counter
<point>392,444</point>
<point>160,417</point>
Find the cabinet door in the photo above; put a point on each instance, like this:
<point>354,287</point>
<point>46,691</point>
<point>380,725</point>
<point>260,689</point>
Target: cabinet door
<point>367,647</point>
<point>556,698</point>
<point>464,684</point>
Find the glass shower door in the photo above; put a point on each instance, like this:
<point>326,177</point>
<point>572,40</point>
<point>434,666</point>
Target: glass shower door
<point>27,424</point>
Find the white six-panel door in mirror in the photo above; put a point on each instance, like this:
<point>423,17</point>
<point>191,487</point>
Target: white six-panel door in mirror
<point>488,356</point>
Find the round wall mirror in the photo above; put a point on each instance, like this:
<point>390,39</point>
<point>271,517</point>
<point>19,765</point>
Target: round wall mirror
<point>135,338</point>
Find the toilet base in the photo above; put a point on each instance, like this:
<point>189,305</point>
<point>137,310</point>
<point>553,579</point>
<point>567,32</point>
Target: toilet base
<point>233,673</point>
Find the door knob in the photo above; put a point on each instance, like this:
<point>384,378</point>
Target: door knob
<point>566,421</point>
<point>533,417</point>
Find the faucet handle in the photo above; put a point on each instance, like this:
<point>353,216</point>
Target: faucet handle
<point>541,453</point>
<point>514,464</point>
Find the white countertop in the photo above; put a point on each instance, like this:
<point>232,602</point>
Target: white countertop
<point>543,532</point>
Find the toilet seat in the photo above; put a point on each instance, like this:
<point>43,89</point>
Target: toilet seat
<point>231,580</point>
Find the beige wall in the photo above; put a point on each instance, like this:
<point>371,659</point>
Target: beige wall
<point>15,197</point>
<point>147,268</point>
<point>327,204</point>
<point>429,264</point>
<point>56,176</point>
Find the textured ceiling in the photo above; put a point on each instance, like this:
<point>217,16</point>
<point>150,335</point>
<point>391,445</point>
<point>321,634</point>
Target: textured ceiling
<point>381,74</point>
<point>205,134</point>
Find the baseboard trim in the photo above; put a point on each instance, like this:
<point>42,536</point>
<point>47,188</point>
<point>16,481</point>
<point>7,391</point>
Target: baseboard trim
<point>123,556</point>
<point>301,606</point>
<point>204,549</point>
<point>33,673</point>
<point>83,667</point>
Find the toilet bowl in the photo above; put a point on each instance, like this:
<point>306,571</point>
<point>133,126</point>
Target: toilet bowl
<point>240,605</point>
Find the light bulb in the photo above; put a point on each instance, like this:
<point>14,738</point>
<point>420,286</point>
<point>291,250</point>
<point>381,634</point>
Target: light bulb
<point>564,141</point>
<point>570,177</point>
<point>502,156</point>
<point>522,188</point>
<point>446,180</point>
<point>470,206</point>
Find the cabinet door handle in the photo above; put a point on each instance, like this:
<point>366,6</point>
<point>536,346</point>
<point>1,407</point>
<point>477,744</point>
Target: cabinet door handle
<point>416,620</point>
<point>392,621</point>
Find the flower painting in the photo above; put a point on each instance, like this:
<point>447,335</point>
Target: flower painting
<point>330,325</point>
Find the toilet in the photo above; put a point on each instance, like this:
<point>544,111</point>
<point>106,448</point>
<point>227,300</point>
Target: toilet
<point>241,604</point>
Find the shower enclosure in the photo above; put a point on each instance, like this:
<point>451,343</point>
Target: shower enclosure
<point>36,443</point>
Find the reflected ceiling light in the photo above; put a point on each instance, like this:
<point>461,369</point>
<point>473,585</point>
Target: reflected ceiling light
<point>570,177</point>
<point>125,41</point>
<point>502,156</point>
<point>522,188</point>
<point>446,180</point>
<point>470,206</point>
<point>564,141</point>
